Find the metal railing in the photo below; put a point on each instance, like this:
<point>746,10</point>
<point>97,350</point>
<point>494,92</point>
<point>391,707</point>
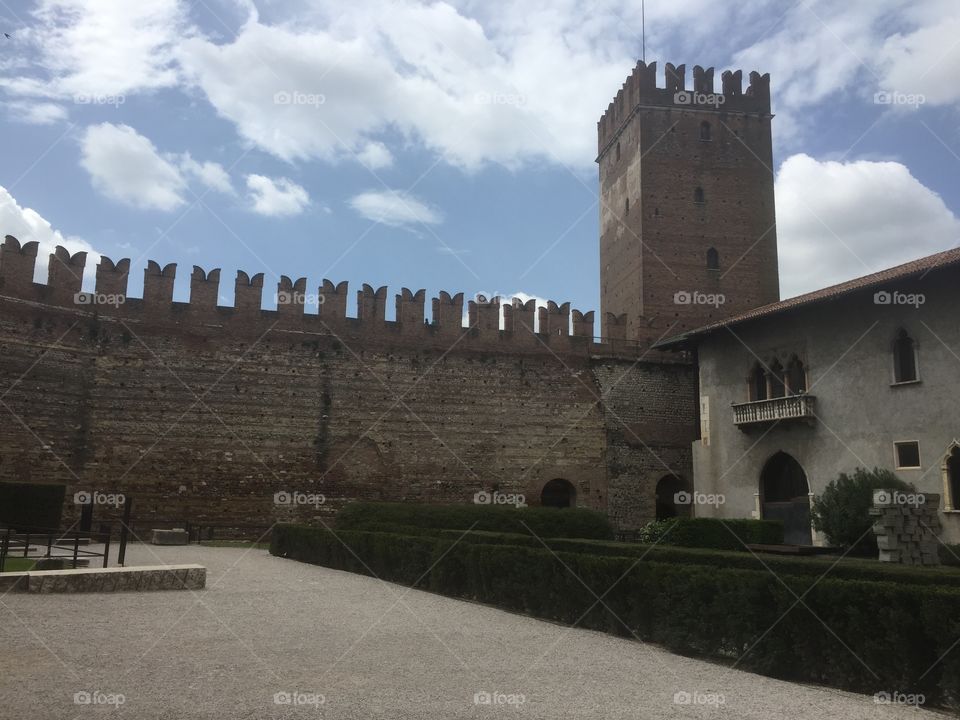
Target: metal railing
<point>46,544</point>
<point>789,407</point>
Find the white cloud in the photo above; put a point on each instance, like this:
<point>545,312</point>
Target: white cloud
<point>36,113</point>
<point>375,155</point>
<point>210,174</point>
<point>395,208</point>
<point>276,197</point>
<point>100,47</point>
<point>126,167</point>
<point>27,225</point>
<point>925,61</point>
<point>837,221</point>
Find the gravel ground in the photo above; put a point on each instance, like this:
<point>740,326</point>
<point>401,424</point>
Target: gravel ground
<point>365,648</point>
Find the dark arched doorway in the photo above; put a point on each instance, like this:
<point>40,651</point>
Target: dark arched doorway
<point>558,493</point>
<point>785,496</point>
<point>952,467</point>
<point>673,498</point>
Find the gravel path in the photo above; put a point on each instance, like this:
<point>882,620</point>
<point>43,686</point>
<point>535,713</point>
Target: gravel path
<point>367,649</point>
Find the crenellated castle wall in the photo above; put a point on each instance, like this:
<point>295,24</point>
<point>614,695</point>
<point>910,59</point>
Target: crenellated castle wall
<point>204,413</point>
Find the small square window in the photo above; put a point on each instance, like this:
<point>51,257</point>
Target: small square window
<point>907,455</point>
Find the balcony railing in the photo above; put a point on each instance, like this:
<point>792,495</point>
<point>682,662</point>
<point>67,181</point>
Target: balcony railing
<point>790,407</point>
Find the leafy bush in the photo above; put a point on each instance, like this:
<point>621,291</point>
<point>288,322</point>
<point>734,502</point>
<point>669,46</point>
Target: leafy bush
<point>715,533</point>
<point>810,567</point>
<point>842,512</point>
<point>881,635</point>
<point>543,522</point>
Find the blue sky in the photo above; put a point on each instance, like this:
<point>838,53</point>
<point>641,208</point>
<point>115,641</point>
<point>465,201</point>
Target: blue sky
<point>450,145</point>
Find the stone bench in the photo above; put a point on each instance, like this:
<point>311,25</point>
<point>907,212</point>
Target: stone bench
<point>177,536</point>
<point>117,579</point>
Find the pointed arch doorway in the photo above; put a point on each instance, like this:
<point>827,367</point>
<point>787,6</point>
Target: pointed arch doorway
<point>785,496</point>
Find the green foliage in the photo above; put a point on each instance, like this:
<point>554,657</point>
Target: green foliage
<point>29,507</point>
<point>543,522</point>
<point>842,512</point>
<point>881,634</point>
<point>715,533</point>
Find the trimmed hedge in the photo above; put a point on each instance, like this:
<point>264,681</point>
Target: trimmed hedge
<point>893,635</point>
<point>545,522</point>
<point>714,533</point>
<point>815,567</point>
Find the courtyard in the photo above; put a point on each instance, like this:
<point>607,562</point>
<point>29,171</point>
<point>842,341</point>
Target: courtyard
<point>275,638</point>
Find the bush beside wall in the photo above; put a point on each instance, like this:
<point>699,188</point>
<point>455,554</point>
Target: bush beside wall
<point>893,630</point>
<point>715,533</point>
<point>545,522</point>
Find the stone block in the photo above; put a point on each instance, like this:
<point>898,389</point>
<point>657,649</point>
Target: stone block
<point>177,536</point>
<point>890,556</point>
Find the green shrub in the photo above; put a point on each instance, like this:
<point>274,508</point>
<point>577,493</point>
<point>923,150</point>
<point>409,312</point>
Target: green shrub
<point>543,522</point>
<point>842,512</point>
<point>810,567</point>
<point>950,555</point>
<point>860,636</point>
<point>715,533</point>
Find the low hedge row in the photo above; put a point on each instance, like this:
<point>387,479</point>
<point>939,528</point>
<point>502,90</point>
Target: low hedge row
<point>545,522</point>
<point>815,567</point>
<point>714,533</point>
<point>862,636</point>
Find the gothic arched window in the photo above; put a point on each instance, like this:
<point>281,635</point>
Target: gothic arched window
<point>713,259</point>
<point>904,358</point>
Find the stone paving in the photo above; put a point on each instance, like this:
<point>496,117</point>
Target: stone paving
<point>273,638</point>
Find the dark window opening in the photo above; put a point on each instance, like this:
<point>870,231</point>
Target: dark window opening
<point>626,207</point>
<point>758,383</point>
<point>777,380</point>
<point>618,152</point>
<point>558,493</point>
<point>713,259</point>
<point>908,454</point>
<point>904,358</point>
<point>698,195</point>
<point>953,477</point>
<point>705,130</point>
<point>796,376</point>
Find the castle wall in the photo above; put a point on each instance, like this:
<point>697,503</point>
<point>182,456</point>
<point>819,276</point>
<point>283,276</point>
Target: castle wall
<point>203,413</point>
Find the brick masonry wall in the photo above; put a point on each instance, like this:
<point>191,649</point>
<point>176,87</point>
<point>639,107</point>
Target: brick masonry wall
<point>205,420</point>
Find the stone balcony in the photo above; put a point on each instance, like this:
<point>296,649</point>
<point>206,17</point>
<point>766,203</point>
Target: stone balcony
<point>760,412</point>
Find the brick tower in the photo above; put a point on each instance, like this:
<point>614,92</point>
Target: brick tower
<point>687,219</point>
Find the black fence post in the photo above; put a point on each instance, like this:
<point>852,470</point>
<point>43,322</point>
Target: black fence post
<point>26,545</point>
<point>106,547</point>
<point>76,547</point>
<point>124,530</point>
<point>4,548</point>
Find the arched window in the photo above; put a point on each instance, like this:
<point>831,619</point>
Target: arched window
<point>796,376</point>
<point>713,259</point>
<point>904,358</point>
<point>951,468</point>
<point>558,493</point>
<point>705,131</point>
<point>698,195</point>
<point>777,380</point>
<point>758,383</point>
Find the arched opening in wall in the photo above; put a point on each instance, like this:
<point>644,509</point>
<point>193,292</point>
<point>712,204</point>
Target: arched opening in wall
<point>673,498</point>
<point>796,376</point>
<point>705,131</point>
<point>698,196</point>
<point>952,467</point>
<point>904,358</point>
<point>758,383</point>
<point>777,380</point>
<point>558,493</point>
<point>785,496</point>
<point>713,259</point>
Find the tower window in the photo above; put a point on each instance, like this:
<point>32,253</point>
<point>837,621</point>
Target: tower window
<point>618,151</point>
<point>705,131</point>
<point>904,358</point>
<point>626,207</point>
<point>698,195</point>
<point>713,259</point>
